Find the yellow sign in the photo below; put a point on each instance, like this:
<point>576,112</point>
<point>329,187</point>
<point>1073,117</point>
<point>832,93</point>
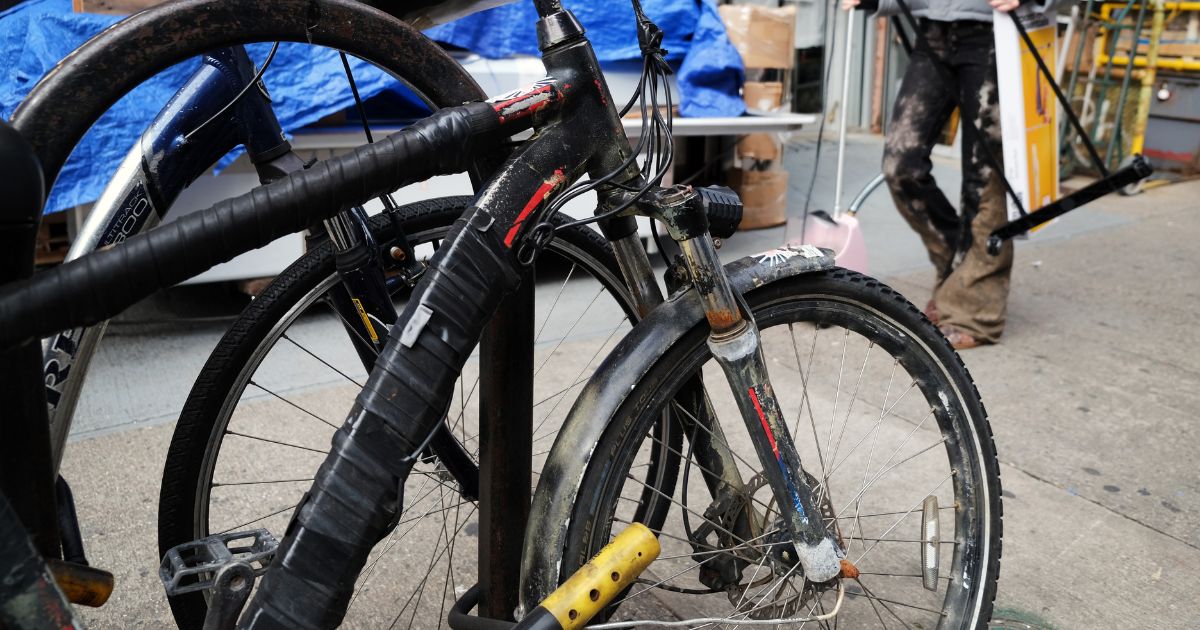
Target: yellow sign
<point>1028,108</point>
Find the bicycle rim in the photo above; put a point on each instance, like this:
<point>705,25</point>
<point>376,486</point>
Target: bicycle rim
<point>884,416</point>
<point>274,425</point>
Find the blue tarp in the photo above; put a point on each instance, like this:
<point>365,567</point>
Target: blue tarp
<point>711,72</point>
<point>36,34</point>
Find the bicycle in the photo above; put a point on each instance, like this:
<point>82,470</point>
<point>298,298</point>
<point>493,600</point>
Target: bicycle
<point>643,401</point>
<point>214,111</point>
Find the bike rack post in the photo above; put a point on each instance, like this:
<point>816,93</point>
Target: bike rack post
<point>506,439</point>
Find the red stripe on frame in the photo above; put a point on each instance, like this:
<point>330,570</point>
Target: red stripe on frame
<point>763,419</point>
<point>534,202</point>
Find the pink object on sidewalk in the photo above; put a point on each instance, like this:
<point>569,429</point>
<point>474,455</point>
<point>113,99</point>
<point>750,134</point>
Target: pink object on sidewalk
<point>843,235</point>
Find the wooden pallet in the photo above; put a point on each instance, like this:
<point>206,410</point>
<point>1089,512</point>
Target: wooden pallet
<point>53,240</point>
<point>120,7</point>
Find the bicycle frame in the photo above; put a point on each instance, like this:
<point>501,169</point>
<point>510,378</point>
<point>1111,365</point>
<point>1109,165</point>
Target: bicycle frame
<point>577,131</point>
<point>144,188</point>
<point>201,123</point>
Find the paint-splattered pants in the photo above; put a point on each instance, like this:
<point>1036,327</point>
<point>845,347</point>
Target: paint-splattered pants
<point>971,290</point>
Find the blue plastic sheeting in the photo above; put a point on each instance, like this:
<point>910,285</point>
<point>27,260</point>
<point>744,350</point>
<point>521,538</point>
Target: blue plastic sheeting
<point>36,34</point>
<point>710,76</point>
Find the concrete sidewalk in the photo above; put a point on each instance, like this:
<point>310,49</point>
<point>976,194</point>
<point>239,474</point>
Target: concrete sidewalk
<point>1092,396</point>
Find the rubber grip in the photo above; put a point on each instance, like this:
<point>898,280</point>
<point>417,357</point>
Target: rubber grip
<point>98,286</point>
<point>356,497</point>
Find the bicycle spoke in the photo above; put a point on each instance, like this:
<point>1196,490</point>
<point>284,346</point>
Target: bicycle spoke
<point>662,534</point>
<point>903,575</point>
<point>884,602</point>
<point>713,435</point>
<point>875,609</point>
<point>904,516</point>
<point>310,353</point>
<point>281,443</point>
<point>570,330</point>
<point>871,453</point>
<point>940,508</point>
<point>806,400</point>
<point>838,391</point>
<point>449,567</point>
<point>874,431</point>
<point>883,472</point>
<point>369,570</point>
<point>349,326</point>
<point>456,531</point>
<point>692,462</point>
<point>295,406</point>
<point>223,484</point>
<point>685,507</point>
<point>853,399</point>
<point>912,541</point>
<point>261,518</point>
<point>554,304</point>
<point>585,367</point>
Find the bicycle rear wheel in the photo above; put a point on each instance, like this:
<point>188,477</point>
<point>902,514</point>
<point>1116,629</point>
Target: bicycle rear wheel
<point>259,419</point>
<point>886,419</point>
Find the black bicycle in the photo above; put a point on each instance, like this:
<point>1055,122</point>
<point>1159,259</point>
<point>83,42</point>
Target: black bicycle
<point>894,519</point>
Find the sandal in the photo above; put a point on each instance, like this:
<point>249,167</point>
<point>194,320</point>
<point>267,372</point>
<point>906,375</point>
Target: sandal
<point>960,339</point>
<point>931,311</point>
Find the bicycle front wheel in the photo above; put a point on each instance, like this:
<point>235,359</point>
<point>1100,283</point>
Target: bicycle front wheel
<point>891,429</point>
<point>259,419</point>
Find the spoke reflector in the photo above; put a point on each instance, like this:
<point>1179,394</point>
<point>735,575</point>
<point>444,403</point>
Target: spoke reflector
<point>930,543</point>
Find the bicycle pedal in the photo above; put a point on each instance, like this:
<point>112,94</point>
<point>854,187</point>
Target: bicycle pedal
<point>193,566</point>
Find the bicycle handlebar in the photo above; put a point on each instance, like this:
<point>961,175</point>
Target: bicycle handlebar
<point>98,286</point>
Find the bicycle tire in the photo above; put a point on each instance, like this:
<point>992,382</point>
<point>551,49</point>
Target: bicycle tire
<point>884,319</point>
<point>200,433</point>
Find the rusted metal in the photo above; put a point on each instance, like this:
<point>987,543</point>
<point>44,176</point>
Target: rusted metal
<point>849,571</point>
<point>727,321</point>
<point>83,585</point>
<point>720,308</point>
<point>506,447</point>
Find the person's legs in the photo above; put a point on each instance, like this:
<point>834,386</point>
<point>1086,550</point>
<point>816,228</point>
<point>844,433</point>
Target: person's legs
<point>974,296</point>
<point>923,105</point>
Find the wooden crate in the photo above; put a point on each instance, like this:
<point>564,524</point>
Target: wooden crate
<point>52,240</point>
<point>120,7</point>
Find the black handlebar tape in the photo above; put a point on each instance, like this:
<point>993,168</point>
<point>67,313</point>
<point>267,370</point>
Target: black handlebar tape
<point>357,496</point>
<point>100,285</point>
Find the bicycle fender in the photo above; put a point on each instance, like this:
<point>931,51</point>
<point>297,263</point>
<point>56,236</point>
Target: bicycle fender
<point>606,391</point>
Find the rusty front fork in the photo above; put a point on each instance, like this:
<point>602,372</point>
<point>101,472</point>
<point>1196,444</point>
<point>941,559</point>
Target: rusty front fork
<point>735,343</point>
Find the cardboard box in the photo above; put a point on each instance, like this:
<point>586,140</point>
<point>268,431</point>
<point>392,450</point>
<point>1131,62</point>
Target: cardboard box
<point>763,36</point>
<point>764,147</point>
<point>764,196</point>
<point>763,96</point>
<point>119,7</point>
